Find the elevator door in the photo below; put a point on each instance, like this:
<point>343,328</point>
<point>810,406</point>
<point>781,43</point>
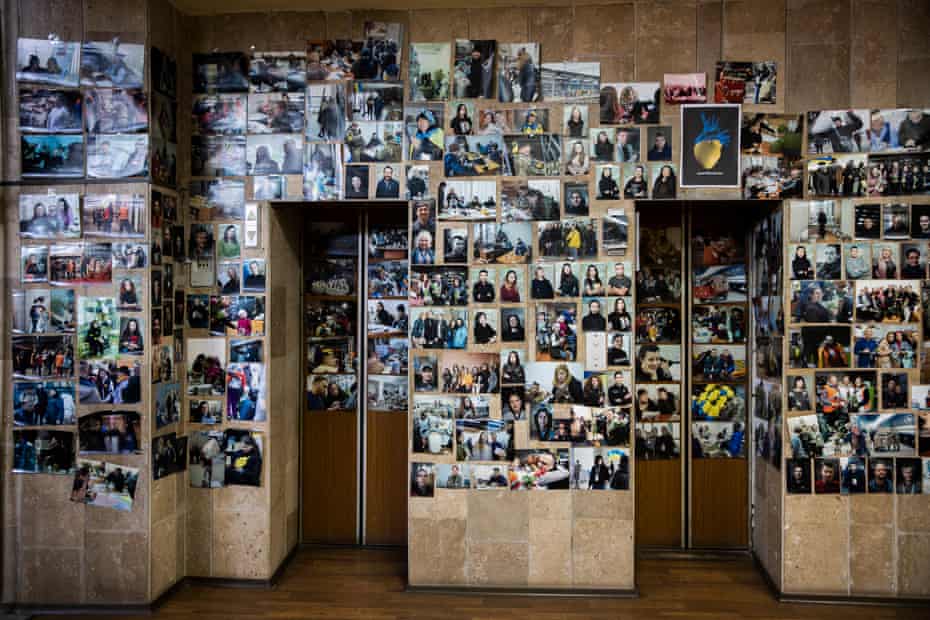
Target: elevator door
<point>691,376</point>
<point>353,445</point>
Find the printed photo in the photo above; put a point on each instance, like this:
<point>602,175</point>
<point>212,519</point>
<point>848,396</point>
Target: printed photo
<point>49,111</point>
<point>570,81</point>
<point>52,156</point>
<point>48,61</point>
<point>518,72</point>
<point>43,452</point>
<point>745,82</point>
<point>105,485</point>
<point>117,382</point>
<point>278,72</point>
<point>433,424</point>
<point>48,403</point>
<point>428,72</point>
<point>685,88</point>
<point>110,433</point>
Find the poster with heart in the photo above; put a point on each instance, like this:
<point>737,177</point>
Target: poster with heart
<point>710,145</point>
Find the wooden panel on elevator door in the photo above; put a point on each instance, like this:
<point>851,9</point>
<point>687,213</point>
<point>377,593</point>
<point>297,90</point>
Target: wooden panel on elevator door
<point>329,463</point>
<point>386,478</point>
<point>658,503</point>
<point>719,503</point>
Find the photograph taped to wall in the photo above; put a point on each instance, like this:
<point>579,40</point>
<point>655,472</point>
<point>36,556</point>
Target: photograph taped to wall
<point>428,73</point>
<point>34,263</point>
<point>418,183</point>
<point>207,459</point>
<point>169,455</point>
<point>49,111</point>
<point>205,367</point>
<point>332,392</point>
<point>438,286</point>
<point>718,402</point>
<point>356,180</point>
<point>246,350</point>
<point>555,382</point>
<point>387,356</point>
<point>375,101</point>
<point>453,476</point>
<point>422,479</point>
<point>600,469</point>
<point>245,392</point>
<point>219,114</point>
<point>467,200</point>
<point>893,175</point>
<point>389,279</point>
<point>508,243</point>
<point>469,373</point>
<point>326,115</point>
<point>322,171</point>
<point>218,156</point>
<point>540,470</point>
<point>685,88</point>
<point>535,155</point>
<point>433,424</point>
<point>274,154</point>
<point>387,316</point>
<point>111,432</point>
<point>574,121</point>
<point>469,156</point>
<point>48,403</point>
<point>275,113</point>
<point>820,347</point>
<point>387,393</point>
<point>40,311</point>
<point>518,72</point>
<point>898,129</point>
<point>205,411</point>
<point>167,404</point>
<point>49,216</point>
<point>888,301</point>
<point>484,440</point>
<point>570,239</point>
<point>109,111</point>
<point>105,485</point>
<point>117,156</point>
<point>837,131</point>
<point>719,324</point>
<point>718,440</point>
<point>474,68</point>
<point>424,133</point>
<point>710,145</point>
<point>635,102</point>
<point>52,156</point>
<point>839,175</point>
<point>533,199</point>
<point>48,61</point>
<point>887,434</point>
<point>658,441</point>
<point>821,301</point>
<point>98,327</point>
<point>776,135</point>
<point>43,452</point>
<point>114,215</point>
<point>106,381</point>
<point>331,276</point>
<point>720,284</point>
<point>567,81</point>
<point>113,63</point>
<point>745,82</point>
<point>278,72</point>
<point>387,242</point>
<point>556,331</point>
<point>244,457</point>
<point>711,362</point>
<point>223,72</point>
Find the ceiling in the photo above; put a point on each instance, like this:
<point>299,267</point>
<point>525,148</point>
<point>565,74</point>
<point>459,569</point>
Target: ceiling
<point>216,7</point>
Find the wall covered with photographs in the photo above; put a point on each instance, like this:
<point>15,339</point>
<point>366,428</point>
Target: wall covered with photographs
<point>521,137</point>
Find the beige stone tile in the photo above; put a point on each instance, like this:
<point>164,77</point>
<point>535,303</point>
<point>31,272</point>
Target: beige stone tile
<point>436,553</point>
<point>816,557</point>
<point>666,38</point>
<point>913,511</point>
<point>602,30</point>
<point>603,554</point>
<point>241,545</point>
<point>164,497</point>
<point>125,18</point>
<point>339,25</point>
<point>555,505</point>
<point>913,91</point>
<point>871,509</point>
<point>438,25</point>
<point>361,17</point>
<point>815,509</point>
<point>497,563</point>
<point>603,505</point>
<point>551,28</point>
<point>818,21</point>
<point>47,516</point>
<point>199,533</point>
<point>242,498</point>
<point>165,551</point>
<point>550,549</point>
<point>913,567</point>
<point>498,516</point>
<point>43,573</point>
<point>500,23</point>
<point>871,560</point>
<point>116,568</point>
<point>823,84</point>
<point>292,29</point>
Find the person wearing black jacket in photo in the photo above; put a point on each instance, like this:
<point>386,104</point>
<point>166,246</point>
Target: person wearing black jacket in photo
<point>568,282</point>
<point>483,291</point>
<point>245,464</point>
<point>541,287</point>
<point>594,321</point>
<point>840,135</point>
<point>599,475</point>
<point>607,188</point>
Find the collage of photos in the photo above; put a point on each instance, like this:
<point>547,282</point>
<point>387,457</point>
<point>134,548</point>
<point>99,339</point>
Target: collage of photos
<point>97,125</point>
<point>856,347</point>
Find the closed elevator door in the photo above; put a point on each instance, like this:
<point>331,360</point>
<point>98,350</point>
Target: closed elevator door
<point>353,447</point>
<point>692,473</point>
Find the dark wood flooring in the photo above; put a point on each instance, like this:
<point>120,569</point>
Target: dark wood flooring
<point>355,583</point>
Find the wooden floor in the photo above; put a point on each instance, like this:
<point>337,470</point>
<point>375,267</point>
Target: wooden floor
<point>352,583</point>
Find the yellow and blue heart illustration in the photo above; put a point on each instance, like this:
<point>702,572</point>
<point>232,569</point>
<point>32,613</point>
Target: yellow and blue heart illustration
<point>711,142</point>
